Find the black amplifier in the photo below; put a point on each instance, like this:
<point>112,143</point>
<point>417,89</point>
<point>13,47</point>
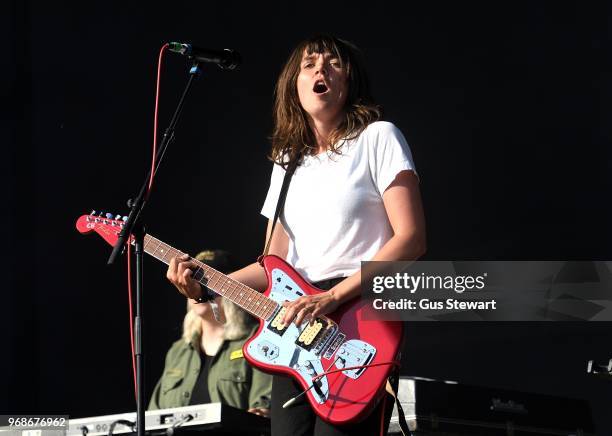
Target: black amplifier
<point>438,408</point>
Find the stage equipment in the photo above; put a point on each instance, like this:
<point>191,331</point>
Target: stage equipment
<point>435,408</point>
<point>226,59</point>
<point>212,418</point>
<point>133,230</point>
<point>600,370</point>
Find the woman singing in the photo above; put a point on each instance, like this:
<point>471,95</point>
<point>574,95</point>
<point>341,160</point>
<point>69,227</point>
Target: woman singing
<point>354,197</point>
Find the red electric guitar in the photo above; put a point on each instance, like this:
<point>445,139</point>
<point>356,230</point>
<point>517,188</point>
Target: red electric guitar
<point>341,360</point>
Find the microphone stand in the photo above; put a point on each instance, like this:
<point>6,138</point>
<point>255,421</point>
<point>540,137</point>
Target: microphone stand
<point>134,227</point>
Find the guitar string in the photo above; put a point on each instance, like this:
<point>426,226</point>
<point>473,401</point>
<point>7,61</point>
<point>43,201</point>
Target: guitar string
<point>347,344</point>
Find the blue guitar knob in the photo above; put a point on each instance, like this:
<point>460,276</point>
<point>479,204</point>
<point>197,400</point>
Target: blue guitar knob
<point>125,218</point>
<point>109,216</point>
<point>118,217</point>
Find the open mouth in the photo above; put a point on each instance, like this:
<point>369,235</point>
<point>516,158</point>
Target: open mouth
<point>320,87</point>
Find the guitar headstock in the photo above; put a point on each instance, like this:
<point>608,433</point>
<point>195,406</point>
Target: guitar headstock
<point>106,225</point>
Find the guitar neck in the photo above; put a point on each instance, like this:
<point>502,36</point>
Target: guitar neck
<point>247,298</point>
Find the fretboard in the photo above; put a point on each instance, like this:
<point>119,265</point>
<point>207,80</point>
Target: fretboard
<point>249,299</point>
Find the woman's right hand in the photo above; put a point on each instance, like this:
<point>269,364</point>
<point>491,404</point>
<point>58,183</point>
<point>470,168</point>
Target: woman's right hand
<point>180,273</point>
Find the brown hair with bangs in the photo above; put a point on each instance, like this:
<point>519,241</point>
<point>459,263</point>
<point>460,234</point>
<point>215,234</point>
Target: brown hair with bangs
<point>292,137</point>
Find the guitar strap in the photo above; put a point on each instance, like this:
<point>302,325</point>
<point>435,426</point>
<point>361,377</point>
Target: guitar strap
<point>401,417</point>
<point>280,204</point>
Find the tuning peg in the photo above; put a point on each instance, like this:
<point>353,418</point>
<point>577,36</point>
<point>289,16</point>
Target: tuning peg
<point>109,215</point>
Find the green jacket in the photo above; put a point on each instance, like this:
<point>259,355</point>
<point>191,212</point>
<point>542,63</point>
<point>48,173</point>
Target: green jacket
<point>231,379</point>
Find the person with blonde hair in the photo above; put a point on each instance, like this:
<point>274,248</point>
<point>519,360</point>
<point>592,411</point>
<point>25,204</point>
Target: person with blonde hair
<point>207,365</point>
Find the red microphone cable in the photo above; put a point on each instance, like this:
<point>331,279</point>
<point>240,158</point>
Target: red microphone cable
<point>159,65</point>
<point>328,371</point>
<point>149,187</point>
<point>349,368</point>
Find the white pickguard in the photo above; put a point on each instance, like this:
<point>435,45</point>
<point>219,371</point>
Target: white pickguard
<point>273,349</point>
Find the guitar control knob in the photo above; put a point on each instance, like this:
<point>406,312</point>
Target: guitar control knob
<point>118,217</point>
<point>109,215</point>
<point>125,218</point>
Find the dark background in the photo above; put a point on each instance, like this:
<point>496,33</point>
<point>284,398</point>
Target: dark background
<point>506,108</point>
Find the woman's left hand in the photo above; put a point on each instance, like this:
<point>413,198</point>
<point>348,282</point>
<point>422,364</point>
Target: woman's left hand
<point>309,307</point>
<point>260,411</point>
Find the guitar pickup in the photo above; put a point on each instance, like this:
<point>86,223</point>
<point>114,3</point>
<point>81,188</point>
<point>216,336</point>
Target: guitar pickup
<point>310,335</point>
<point>276,326</point>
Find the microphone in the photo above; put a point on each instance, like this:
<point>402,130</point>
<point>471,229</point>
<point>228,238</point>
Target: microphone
<point>226,59</point>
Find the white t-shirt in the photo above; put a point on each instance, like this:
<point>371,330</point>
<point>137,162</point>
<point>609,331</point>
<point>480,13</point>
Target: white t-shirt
<point>334,212</point>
